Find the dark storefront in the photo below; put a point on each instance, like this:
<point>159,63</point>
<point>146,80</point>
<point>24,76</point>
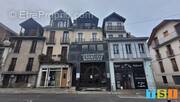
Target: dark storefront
<point>130,75</point>
<point>90,62</point>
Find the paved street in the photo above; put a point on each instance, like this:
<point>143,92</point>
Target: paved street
<point>71,98</point>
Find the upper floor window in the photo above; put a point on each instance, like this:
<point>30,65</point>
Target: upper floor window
<point>80,37</point>
<point>33,46</point>
<point>52,37</point>
<point>128,49</point>
<point>13,64</point>
<point>100,47</point>
<point>18,46</point>
<point>166,33</point>
<point>116,48</point>
<point>161,66</point>
<point>65,36</point>
<point>170,51</point>
<point>94,36</point>
<point>141,48</point>
<point>174,64</point>
<point>49,51</point>
<point>29,64</point>
<point>1,52</point>
<point>119,24</point>
<point>110,36</point>
<point>109,24</point>
<point>120,35</point>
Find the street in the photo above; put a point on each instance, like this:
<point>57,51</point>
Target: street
<point>72,98</point>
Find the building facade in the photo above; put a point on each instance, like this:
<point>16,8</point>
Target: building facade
<point>55,71</point>
<point>129,59</point>
<point>88,54</point>
<point>5,33</point>
<point>164,45</point>
<point>22,64</point>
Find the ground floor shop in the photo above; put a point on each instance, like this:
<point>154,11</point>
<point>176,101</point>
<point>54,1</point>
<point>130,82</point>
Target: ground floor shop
<point>131,75</point>
<point>54,76</point>
<point>18,80</point>
<point>92,75</point>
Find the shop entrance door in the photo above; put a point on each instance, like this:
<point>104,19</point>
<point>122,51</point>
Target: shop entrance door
<point>64,77</point>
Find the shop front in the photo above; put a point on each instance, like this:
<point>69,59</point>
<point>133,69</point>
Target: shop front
<point>130,75</point>
<point>54,76</point>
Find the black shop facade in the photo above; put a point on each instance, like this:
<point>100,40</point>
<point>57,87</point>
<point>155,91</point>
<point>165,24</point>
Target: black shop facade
<point>90,65</point>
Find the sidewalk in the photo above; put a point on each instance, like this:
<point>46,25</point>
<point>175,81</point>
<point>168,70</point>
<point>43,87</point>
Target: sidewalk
<point>68,91</point>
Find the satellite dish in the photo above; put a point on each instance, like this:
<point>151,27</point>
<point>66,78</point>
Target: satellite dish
<point>6,42</point>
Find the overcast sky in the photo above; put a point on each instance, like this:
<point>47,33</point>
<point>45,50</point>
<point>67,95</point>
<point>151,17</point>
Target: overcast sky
<point>141,15</point>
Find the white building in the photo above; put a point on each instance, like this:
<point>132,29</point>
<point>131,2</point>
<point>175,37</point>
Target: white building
<point>164,45</point>
<point>129,59</point>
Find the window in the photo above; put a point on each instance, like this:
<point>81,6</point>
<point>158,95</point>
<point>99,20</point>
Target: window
<point>110,36</point>
<point>141,48</point>
<point>169,51</point>
<point>33,46</point>
<point>118,23</point>
<point>128,49</point>
<point>116,48</point>
<point>100,47</point>
<point>92,47</point>
<point>49,51</point>
<point>80,37</point>
<point>164,79</point>
<point>13,64</point>
<point>1,52</point>
<point>158,55</point>
<point>176,80</point>
<point>29,64</point>
<point>174,64</point>
<point>52,37</point>
<point>84,47</point>
<point>94,36</point>
<point>166,33</point>
<point>18,46</point>
<point>161,67</point>
<point>109,23</point>
<point>120,36</point>
<point>65,36</point>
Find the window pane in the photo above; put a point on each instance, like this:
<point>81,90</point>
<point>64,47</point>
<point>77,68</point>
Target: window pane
<point>100,47</point>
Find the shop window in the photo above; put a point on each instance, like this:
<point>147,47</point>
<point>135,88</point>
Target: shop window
<point>176,80</point>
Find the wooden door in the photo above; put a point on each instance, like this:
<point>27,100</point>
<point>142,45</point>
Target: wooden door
<point>64,77</point>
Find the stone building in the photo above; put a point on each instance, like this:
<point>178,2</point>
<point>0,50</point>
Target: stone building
<point>55,71</point>
<point>164,45</point>
<point>22,64</point>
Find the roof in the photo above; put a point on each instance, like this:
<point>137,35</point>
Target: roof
<point>87,14</point>
<point>8,29</point>
<point>65,15</point>
<point>154,31</point>
<point>30,23</point>
<point>114,14</point>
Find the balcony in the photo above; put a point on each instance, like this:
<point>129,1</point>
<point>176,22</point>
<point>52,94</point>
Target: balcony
<point>65,41</point>
<point>170,53</point>
<point>115,28</point>
<point>79,40</point>
<point>95,39</point>
<point>51,41</point>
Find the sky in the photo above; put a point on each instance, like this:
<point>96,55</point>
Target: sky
<point>141,15</point>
